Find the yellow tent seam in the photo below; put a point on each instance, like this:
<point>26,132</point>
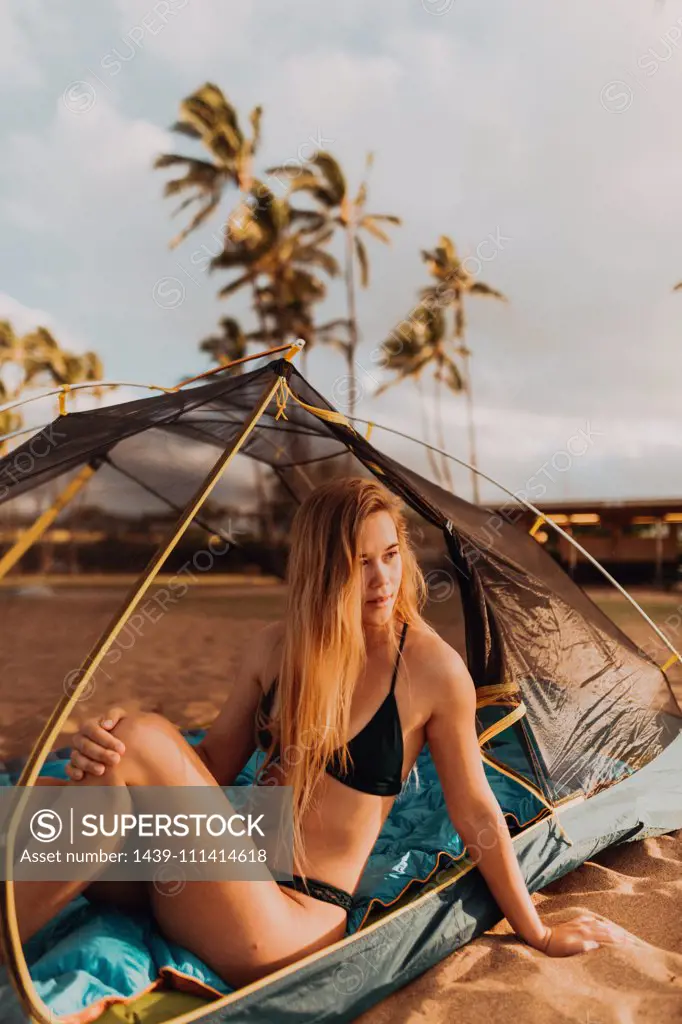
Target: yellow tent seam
<point>61,398</point>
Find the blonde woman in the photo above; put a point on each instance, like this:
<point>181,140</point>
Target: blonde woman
<point>342,694</point>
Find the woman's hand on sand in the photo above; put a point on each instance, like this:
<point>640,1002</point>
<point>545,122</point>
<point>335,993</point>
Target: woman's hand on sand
<point>581,934</point>
<point>94,748</point>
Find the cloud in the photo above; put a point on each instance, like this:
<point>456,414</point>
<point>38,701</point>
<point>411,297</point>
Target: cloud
<point>40,411</point>
<point>25,318</point>
<point>61,175</point>
<point>84,185</point>
<point>185,33</point>
<point>19,66</point>
<point>345,85</point>
<point>552,457</point>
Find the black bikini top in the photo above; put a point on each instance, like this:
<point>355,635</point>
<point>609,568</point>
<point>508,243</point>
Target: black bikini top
<point>376,752</point>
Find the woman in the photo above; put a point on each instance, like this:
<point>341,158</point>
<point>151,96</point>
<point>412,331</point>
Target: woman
<point>354,653</point>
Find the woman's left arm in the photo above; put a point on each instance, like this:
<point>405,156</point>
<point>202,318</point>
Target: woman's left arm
<point>477,816</point>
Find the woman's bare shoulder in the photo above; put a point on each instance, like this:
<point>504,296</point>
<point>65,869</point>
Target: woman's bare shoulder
<point>434,658</point>
<point>272,632</point>
<point>425,641</point>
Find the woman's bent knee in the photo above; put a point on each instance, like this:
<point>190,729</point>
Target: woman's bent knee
<point>140,726</point>
<point>156,751</point>
<point>147,735</point>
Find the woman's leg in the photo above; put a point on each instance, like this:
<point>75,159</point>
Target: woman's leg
<point>124,895</point>
<point>242,929</point>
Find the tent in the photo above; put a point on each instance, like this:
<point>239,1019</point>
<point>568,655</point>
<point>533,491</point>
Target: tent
<point>579,730</point>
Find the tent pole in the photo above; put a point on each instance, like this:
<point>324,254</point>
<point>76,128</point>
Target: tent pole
<point>10,940</point>
<point>64,388</point>
<point>237,362</point>
<point>18,433</point>
<point>77,387</point>
<point>550,522</point>
<point>33,534</point>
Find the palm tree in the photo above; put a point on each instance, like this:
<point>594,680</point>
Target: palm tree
<point>324,181</point>
<point>286,300</point>
<point>36,358</point>
<point>278,262</point>
<point>31,360</point>
<point>418,343</point>
<point>453,283</point>
<point>230,344</point>
<point>208,117</point>
<point>10,353</point>
<point>260,235</point>
<point>46,360</point>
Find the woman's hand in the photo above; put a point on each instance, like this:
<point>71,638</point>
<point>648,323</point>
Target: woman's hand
<point>580,934</point>
<point>94,748</point>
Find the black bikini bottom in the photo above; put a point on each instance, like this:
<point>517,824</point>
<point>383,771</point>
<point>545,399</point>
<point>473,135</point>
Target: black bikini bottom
<point>320,891</point>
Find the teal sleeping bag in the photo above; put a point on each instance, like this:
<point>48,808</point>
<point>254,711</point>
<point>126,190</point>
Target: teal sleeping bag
<point>88,954</point>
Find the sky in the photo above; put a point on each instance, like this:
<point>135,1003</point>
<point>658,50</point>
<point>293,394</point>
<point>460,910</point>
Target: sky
<point>542,138</point>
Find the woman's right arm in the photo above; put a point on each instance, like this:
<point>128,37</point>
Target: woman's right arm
<point>230,740</point>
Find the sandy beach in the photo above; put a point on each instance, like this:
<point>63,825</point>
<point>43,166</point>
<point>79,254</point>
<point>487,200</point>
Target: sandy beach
<point>181,665</point>
<point>497,979</point>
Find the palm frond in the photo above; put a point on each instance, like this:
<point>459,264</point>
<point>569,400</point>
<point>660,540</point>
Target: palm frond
<point>361,194</point>
<point>336,343</point>
<point>332,174</point>
<point>449,248</point>
<point>319,258</point>
<point>313,221</point>
<point>334,325</point>
<point>307,183</point>
<point>460,320</point>
<point>191,163</point>
<point>234,286</point>
<point>185,128</point>
<point>409,370</point>
<point>361,253</point>
<point>451,376</point>
<point>325,234</point>
<point>199,217</point>
<point>255,118</point>
<point>368,224</point>
<point>478,288</point>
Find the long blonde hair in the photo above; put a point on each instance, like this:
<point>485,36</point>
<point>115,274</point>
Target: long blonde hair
<point>323,650</point>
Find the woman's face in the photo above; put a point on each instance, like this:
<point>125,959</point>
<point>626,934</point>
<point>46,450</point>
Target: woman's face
<point>382,568</point>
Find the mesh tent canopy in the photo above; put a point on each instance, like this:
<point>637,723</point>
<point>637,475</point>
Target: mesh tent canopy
<point>556,679</point>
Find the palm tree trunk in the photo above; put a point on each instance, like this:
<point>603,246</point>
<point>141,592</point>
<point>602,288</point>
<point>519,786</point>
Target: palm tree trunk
<point>472,432</point>
<point>257,467</point>
<point>352,315</point>
<point>440,434</point>
<point>431,456</point>
<point>264,507</point>
<point>458,336</point>
<point>257,305</point>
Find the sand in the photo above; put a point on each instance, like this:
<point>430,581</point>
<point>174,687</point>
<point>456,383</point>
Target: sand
<point>181,665</point>
<point>497,980</point>
<point>179,662</point>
